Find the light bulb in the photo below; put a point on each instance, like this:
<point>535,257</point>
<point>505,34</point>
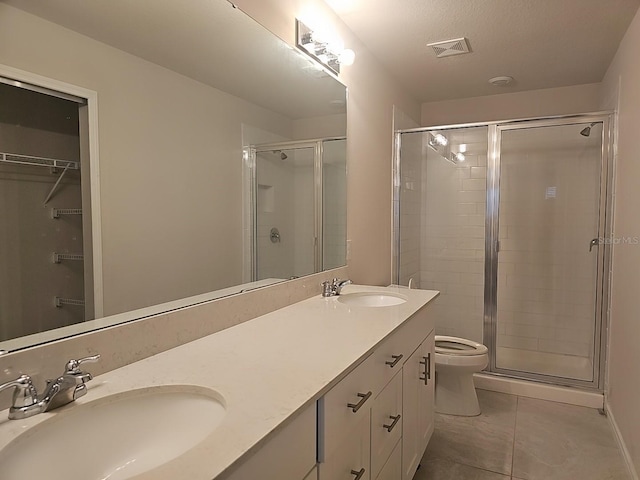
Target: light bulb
<point>441,139</point>
<point>347,56</point>
<point>459,157</point>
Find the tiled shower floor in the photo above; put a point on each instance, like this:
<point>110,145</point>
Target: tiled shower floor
<point>521,438</point>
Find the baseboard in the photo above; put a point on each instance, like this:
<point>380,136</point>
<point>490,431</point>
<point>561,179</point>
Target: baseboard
<point>623,447</point>
<point>541,391</point>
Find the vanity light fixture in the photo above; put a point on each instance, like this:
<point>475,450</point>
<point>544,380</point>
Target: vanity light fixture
<point>457,157</point>
<point>437,140</point>
<point>324,47</point>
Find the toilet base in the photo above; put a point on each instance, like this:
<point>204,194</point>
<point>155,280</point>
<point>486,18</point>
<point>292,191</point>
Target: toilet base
<point>456,394</point>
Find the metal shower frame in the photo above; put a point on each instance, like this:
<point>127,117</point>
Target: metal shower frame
<point>605,229</point>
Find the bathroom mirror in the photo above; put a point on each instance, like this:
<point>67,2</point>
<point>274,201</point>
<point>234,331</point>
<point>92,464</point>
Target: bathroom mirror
<point>188,95</point>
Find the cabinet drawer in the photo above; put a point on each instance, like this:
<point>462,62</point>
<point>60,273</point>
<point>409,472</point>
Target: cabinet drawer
<point>351,457</point>
<point>288,456</point>
<point>394,351</point>
<point>343,407</point>
<point>392,470</point>
<point>386,424</point>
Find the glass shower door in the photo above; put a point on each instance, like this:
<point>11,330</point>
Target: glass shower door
<point>549,261</point>
<point>334,203</point>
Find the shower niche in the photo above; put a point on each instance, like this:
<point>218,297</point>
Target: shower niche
<point>44,247</point>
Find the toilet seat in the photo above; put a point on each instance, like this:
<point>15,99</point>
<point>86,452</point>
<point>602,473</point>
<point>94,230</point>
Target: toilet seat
<point>456,346</point>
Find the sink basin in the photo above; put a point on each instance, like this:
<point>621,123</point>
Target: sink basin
<point>371,299</point>
<point>115,437</point>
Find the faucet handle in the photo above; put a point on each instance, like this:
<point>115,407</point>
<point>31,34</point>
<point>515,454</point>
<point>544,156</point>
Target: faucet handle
<point>340,284</point>
<point>73,366</point>
<point>24,394</point>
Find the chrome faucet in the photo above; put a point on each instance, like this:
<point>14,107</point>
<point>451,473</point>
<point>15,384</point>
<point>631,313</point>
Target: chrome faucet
<point>59,391</point>
<point>331,288</point>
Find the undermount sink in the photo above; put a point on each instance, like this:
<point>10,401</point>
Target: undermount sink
<point>115,437</point>
<point>371,299</point>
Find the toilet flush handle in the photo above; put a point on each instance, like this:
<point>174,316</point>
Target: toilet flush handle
<point>594,243</point>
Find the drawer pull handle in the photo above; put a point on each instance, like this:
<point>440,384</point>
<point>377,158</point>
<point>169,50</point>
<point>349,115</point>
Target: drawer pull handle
<point>427,368</point>
<point>395,419</point>
<point>356,406</point>
<point>359,474</point>
<point>396,359</point>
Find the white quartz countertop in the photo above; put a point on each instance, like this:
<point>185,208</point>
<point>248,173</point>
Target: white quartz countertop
<point>267,370</point>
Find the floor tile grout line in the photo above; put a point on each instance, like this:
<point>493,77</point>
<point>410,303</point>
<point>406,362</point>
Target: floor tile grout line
<point>515,425</point>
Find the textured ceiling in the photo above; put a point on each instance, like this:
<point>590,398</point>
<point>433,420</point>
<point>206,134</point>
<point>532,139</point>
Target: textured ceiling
<point>207,40</point>
<point>541,43</point>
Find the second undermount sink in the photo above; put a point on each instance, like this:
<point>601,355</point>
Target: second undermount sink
<point>371,299</point>
<point>116,437</point>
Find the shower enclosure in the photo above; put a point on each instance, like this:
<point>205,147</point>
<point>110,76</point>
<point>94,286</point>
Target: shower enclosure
<point>511,222</point>
<point>298,207</point>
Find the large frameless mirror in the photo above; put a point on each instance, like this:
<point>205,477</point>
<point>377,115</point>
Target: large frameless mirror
<point>218,152</point>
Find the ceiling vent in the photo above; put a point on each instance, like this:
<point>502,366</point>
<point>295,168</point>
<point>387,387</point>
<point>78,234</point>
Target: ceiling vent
<point>447,48</point>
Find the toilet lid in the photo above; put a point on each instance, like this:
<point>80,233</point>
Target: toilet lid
<point>458,346</point>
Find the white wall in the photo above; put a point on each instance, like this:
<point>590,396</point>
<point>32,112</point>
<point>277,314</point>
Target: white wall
<point>621,90</point>
<point>371,95</point>
<point>509,106</point>
<point>162,138</point>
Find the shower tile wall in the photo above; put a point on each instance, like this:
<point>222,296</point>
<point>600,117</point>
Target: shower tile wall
<point>275,189</point>
<point>546,274</point>
<point>453,232</point>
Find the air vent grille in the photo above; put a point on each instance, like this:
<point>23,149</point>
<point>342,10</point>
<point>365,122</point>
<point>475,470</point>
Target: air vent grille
<point>447,48</point>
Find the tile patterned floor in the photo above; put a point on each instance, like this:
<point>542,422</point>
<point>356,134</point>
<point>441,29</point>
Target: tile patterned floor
<point>518,438</point>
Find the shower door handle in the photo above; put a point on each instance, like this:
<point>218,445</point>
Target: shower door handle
<point>594,243</point>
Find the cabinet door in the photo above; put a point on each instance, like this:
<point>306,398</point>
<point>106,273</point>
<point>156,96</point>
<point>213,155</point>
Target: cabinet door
<point>418,380</point>
<point>287,456</point>
<point>342,408</point>
<point>426,408</point>
<point>352,457</point>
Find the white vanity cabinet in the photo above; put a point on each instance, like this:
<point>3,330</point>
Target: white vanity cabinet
<point>382,411</point>
<point>289,455</point>
<point>344,421</point>
<point>418,388</point>
<point>386,424</point>
<point>391,469</point>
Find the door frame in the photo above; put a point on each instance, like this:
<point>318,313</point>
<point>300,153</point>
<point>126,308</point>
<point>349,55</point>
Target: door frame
<point>602,309</point>
<point>603,262</point>
<point>91,107</point>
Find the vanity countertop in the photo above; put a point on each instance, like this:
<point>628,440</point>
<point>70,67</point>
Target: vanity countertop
<point>267,369</point>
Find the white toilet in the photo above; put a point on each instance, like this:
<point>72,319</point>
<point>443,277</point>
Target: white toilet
<point>457,359</point>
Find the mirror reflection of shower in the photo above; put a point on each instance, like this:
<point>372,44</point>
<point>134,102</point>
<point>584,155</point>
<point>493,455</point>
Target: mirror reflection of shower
<point>283,156</point>
<point>300,187</point>
<point>586,131</point>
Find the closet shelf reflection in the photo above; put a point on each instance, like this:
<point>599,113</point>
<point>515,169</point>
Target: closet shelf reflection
<point>58,212</point>
<point>59,302</point>
<point>15,158</point>
<point>58,257</point>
